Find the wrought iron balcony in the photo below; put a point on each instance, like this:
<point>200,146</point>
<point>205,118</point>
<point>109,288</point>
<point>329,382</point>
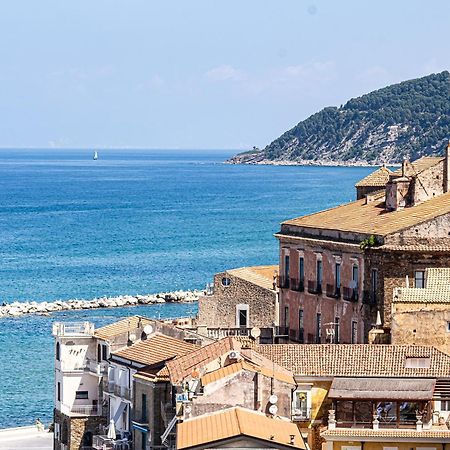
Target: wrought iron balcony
<point>314,287</point>
<point>350,294</point>
<point>283,282</point>
<point>333,291</point>
<point>297,285</point>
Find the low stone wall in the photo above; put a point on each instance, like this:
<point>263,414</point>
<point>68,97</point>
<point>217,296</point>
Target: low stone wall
<point>16,309</point>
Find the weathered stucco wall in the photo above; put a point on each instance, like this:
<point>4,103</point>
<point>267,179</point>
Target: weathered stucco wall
<point>219,309</point>
<point>421,324</point>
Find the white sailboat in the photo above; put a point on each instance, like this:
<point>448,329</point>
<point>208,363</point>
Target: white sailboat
<point>95,156</point>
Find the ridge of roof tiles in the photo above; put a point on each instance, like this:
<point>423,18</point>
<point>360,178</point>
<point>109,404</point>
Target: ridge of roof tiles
<point>156,350</point>
<point>260,275</point>
<point>122,326</point>
<point>357,360</point>
<point>377,178</point>
<point>372,218</point>
<point>237,421</point>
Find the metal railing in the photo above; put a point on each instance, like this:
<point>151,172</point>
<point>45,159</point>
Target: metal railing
<point>314,287</point>
<point>82,410</point>
<point>333,291</point>
<point>301,414</point>
<point>122,391</point>
<point>350,294</point>
<point>283,282</point>
<point>297,285</point>
<point>94,366</point>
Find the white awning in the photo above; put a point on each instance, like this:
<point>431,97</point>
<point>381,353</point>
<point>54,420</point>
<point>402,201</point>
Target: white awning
<point>119,411</point>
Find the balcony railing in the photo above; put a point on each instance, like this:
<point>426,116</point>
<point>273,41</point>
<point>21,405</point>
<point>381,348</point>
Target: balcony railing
<point>297,285</point>
<point>105,443</point>
<point>80,329</point>
<point>333,291</point>
<point>82,410</point>
<point>99,368</point>
<point>283,282</point>
<point>314,287</point>
<point>122,391</point>
<point>350,294</point>
<point>219,333</point>
<point>301,414</point>
<point>369,298</point>
<point>282,331</point>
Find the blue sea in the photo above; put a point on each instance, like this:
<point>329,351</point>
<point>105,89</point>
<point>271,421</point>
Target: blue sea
<point>132,222</point>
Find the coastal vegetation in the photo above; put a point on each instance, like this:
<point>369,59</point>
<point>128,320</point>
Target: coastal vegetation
<point>406,120</point>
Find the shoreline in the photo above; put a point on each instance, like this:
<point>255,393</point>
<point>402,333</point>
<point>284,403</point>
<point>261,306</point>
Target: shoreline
<point>19,309</point>
<point>320,163</point>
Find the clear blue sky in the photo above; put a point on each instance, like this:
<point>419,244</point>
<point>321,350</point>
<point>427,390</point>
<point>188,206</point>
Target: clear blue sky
<point>200,74</point>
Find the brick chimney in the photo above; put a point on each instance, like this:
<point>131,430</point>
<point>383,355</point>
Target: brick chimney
<point>447,169</point>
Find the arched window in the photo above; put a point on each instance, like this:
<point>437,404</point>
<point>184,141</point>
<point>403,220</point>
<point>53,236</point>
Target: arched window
<point>65,433</point>
<point>58,352</point>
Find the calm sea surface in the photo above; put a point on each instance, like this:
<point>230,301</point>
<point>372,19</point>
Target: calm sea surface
<point>133,222</point>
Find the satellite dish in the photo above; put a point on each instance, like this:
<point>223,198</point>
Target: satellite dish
<point>132,337</point>
<point>148,329</point>
<point>273,399</point>
<point>352,284</point>
<point>255,332</point>
<point>273,409</point>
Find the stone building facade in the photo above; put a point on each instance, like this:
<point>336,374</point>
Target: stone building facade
<point>241,298</point>
<point>422,315</point>
<point>339,267</point>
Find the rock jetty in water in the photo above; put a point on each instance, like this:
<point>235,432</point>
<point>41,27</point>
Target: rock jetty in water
<point>16,309</point>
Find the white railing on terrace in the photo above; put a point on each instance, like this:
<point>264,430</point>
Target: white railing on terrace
<point>73,329</point>
<point>81,410</point>
<point>99,368</point>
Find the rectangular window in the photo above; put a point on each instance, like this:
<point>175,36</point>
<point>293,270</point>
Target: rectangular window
<point>336,330</point>
<point>144,408</point>
<point>286,316</point>
<point>286,267</point>
<point>144,440</point>
<point>445,405</point>
<point>355,276</point>
<point>337,274</point>
<point>319,275</point>
<point>354,332</point>
<point>58,394</point>
<point>417,363</point>
<point>81,395</point>
<point>419,279</point>
<point>318,328</point>
<point>242,316</point>
<point>301,269</point>
<point>301,330</point>
<point>104,352</point>
<point>374,284</point>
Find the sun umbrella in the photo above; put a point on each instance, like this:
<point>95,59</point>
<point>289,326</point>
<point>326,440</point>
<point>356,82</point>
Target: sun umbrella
<point>111,430</point>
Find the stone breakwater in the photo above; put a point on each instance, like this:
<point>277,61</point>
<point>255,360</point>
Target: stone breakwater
<point>16,309</point>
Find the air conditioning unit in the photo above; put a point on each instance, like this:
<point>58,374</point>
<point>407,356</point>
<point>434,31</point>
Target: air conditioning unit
<point>234,355</point>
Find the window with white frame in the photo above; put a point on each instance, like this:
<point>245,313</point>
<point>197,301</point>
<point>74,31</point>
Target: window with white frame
<point>301,403</point>
<point>242,316</point>
<point>419,279</point>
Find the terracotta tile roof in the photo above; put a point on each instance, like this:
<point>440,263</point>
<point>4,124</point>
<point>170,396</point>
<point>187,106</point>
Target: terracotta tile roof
<point>372,218</point>
<point>357,360</point>
<point>386,433</point>
<point>378,178</point>
<point>275,372</point>
<point>155,350</point>
<point>260,275</point>
<point>122,326</point>
<point>419,165</point>
<point>427,248</point>
<point>235,422</point>
<point>437,288</point>
<point>153,375</point>
<point>183,366</point>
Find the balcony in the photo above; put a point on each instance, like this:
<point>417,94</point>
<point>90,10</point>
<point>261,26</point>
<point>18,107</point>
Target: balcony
<point>297,285</point>
<point>97,368</point>
<point>350,294</point>
<point>82,410</point>
<point>314,287</point>
<point>301,414</point>
<point>73,329</point>
<point>122,392</point>
<point>369,298</point>
<point>333,291</point>
<point>105,443</point>
<point>283,282</point>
